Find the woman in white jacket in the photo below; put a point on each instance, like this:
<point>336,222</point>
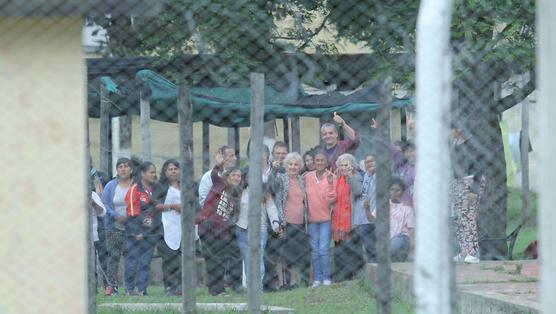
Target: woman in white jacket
<point>269,218</point>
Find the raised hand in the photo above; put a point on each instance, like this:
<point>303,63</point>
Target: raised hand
<point>329,177</point>
<point>219,157</point>
<point>374,124</point>
<point>410,121</point>
<point>275,165</point>
<point>338,119</point>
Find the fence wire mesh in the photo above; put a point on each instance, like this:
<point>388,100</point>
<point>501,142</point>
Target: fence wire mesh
<point>339,158</point>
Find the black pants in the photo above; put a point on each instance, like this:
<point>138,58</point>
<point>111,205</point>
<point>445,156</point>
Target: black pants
<point>171,266</point>
<point>348,258</point>
<point>222,256</point>
<point>297,250</point>
<point>102,251</point>
<point>271,258</point>
<point>364,236</point>
<point>115,245</point>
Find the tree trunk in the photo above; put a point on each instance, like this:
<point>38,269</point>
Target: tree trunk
<point>492,216</point>
<point>475,110</point>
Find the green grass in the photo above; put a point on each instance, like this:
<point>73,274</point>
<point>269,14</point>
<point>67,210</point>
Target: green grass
<point>515,213</point>
<point>347,297</point>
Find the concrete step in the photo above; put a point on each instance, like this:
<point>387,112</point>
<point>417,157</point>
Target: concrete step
<point>487,287</point>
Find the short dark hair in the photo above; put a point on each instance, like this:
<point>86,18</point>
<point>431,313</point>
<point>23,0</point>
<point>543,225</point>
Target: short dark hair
<point>397,181</point>
<point>407,145</point>
<point>124,160</point>
<point>279,144</point>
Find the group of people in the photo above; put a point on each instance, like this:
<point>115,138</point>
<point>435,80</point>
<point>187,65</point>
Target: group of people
<point>142,211</point>
<point>309,202</point>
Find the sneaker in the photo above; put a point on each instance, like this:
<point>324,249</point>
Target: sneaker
<point>458,259</point>
<point>470,259</point>
<point>238,289</point>
<point>327,282</point>
<point>178,292</point>
<point>316,284</point>
<point>270,289</point>
<point>108,291</point>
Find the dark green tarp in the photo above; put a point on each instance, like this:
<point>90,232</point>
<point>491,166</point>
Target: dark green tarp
<point>226,106</point>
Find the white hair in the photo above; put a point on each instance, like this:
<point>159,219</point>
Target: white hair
<point>294,155</point>
<point>348,157</point>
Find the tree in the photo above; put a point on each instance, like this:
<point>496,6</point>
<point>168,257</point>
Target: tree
<point>492,41</point>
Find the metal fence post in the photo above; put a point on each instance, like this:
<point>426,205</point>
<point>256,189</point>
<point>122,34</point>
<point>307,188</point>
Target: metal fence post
<point>546,65</point>
<point>433,265</point>
<point>383,176</point>
<point>254,288</point>
<point>188,200</point>
<point>525,159</point>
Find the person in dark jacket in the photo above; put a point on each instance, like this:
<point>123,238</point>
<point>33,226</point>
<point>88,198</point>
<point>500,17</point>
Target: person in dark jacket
<point>216,221</point>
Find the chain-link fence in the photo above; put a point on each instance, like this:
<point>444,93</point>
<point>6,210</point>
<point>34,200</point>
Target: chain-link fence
<point>171,117</point>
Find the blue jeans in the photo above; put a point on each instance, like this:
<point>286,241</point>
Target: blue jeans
<point>243,243</point>
<point>321,234</point>
<point>399,248</point>
<point>138,263</point>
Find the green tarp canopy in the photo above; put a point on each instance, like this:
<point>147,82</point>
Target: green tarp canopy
<point>225,106</point>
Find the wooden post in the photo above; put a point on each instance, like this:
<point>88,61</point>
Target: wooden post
<point>395,125</point>
<point>322,120</point>
<point>233,139</point>
<point>286,123</point>
<point>115,125</point>
<point>254,287</point>
<point>525,159</point>
<point>91,278</point>
<point>125,135</point>
<point>104,164</point>
<point>206,146</point>
<point>236,142</point>
<point>296,135</point>
<point>121,139</point>
<point>546,67</point>
<point>188,201</point>
<point>403,123</point>
<point>434,273</point>
<point>383,173</point>
<point>145,105</point>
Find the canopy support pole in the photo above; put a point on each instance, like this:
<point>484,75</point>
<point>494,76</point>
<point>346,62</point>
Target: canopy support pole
<point>145,106</point>
<point>206,146</point>
<point>286,132</point>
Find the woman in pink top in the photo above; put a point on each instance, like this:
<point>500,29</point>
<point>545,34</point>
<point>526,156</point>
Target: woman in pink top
<point>290,198</point>
<point>402,223</point>
<point>321,196</point>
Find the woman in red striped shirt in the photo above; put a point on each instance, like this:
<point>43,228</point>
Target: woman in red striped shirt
<point>142,230</point>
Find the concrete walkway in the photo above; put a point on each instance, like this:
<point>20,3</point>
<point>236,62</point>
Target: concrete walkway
<point>487,287</point>
<point>216,307</point>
